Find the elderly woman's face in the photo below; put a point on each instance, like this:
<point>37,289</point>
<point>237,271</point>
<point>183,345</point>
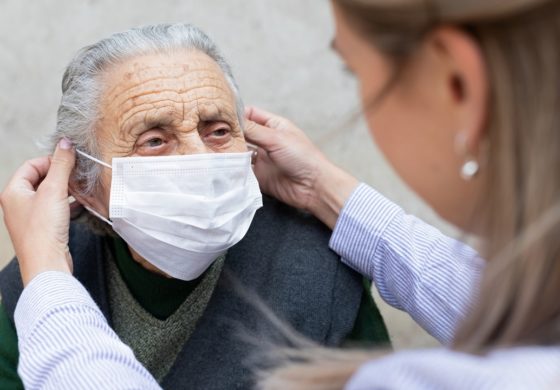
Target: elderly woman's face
<point>167,105</point>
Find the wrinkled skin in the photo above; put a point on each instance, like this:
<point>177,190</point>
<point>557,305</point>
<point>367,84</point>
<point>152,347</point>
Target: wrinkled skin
<point>157,105</point>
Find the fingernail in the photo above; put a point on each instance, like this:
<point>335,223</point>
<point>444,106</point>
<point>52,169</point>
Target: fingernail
<point>65,144</point>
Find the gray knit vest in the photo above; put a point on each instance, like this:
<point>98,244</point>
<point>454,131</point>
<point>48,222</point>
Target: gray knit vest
<point>284,260</point>
<point>156,343</point>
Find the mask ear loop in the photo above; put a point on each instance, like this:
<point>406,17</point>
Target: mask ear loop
<point>98,215</point>
<point>106,165</point>
<point>94,159</point>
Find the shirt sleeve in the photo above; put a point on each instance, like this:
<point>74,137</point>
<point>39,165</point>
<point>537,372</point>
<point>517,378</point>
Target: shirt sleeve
<point>414,266</point>
<point>66,343</point>
<point>513,369</point>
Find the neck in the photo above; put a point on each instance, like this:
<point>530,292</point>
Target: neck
<point>146,264</point>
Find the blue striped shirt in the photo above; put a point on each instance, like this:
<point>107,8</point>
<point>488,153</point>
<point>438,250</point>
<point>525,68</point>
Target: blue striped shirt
<point>433,278</point>
<point>66,343</point>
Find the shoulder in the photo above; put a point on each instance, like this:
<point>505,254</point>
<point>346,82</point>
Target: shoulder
<point>88,250</point>
<point>82,238</point>
<point>9,353</point>
<point>288,237</point>
<point>286,258</point>
<point>276,220</point>
<point>85,248</point>
<point>512,368</point>
<point>11,287</point>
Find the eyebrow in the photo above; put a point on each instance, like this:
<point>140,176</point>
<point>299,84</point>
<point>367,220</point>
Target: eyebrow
<point>217,115</point>
<point>162,120</point>
<point>140,127</point>
<point>213,117</point>
<point>159,122</point>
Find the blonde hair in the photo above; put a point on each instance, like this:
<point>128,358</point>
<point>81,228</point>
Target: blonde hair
<point>518,301</point>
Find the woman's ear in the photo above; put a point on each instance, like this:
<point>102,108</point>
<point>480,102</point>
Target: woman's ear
<point>84,201</point>
<point>466,83</point>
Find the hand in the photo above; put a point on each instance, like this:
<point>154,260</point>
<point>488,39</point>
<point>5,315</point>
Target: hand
<point>37,212</point>
<point>293,170</point>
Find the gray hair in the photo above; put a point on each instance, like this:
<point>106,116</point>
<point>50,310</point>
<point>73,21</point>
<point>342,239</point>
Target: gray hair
<point>81,89</point>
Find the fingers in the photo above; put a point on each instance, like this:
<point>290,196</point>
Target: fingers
<point>24,181</point>
<point>264,169</point>
<point>261,136</point>
<point>265,118</point>
<point>62,163</point>
<point>30,174</point>
<point>262,163</point>
<point>257,115</point>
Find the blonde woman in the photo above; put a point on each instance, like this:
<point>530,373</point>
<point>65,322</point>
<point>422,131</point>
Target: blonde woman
<point>463,99</point>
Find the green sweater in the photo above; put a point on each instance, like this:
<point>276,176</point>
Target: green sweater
<point>161,297</point>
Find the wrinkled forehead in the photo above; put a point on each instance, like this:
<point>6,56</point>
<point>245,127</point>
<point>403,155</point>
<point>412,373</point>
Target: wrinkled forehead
<point>180,86</point>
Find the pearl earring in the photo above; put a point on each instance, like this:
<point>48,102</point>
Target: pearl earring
<point>469,169</point>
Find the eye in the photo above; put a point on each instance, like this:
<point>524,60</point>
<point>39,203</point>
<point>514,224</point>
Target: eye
<point>217,131</point>
<point>152,139</point>
<point>217,134</point>
<point>154,142</point>
<point>222,132</point>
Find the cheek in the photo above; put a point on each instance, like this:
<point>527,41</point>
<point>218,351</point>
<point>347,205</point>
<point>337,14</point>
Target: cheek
<point>388,124</point>
<point>405,139</point>
<point>239,147</point>
<point>393,137</point>
<point>236,144</point>
<point>239,143</point>
<point>103,191</point>
<point>421,152</point>
<point>402,125</point>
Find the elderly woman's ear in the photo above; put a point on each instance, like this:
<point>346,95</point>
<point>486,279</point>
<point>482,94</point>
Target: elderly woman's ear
<point>81,202</point>
<point>76,206</point>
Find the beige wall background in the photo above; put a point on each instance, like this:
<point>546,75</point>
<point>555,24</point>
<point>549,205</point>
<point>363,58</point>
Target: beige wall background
<point>279,51</point>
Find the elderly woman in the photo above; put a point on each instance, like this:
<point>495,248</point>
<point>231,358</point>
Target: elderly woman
<point>170,240</point>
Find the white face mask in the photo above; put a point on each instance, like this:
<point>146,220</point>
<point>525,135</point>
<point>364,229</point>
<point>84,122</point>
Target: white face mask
<point>182,212</point>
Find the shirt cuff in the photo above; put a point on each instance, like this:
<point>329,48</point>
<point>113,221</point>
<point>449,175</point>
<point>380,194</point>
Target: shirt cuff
<point>46,293</point>
<point>360,227</point>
